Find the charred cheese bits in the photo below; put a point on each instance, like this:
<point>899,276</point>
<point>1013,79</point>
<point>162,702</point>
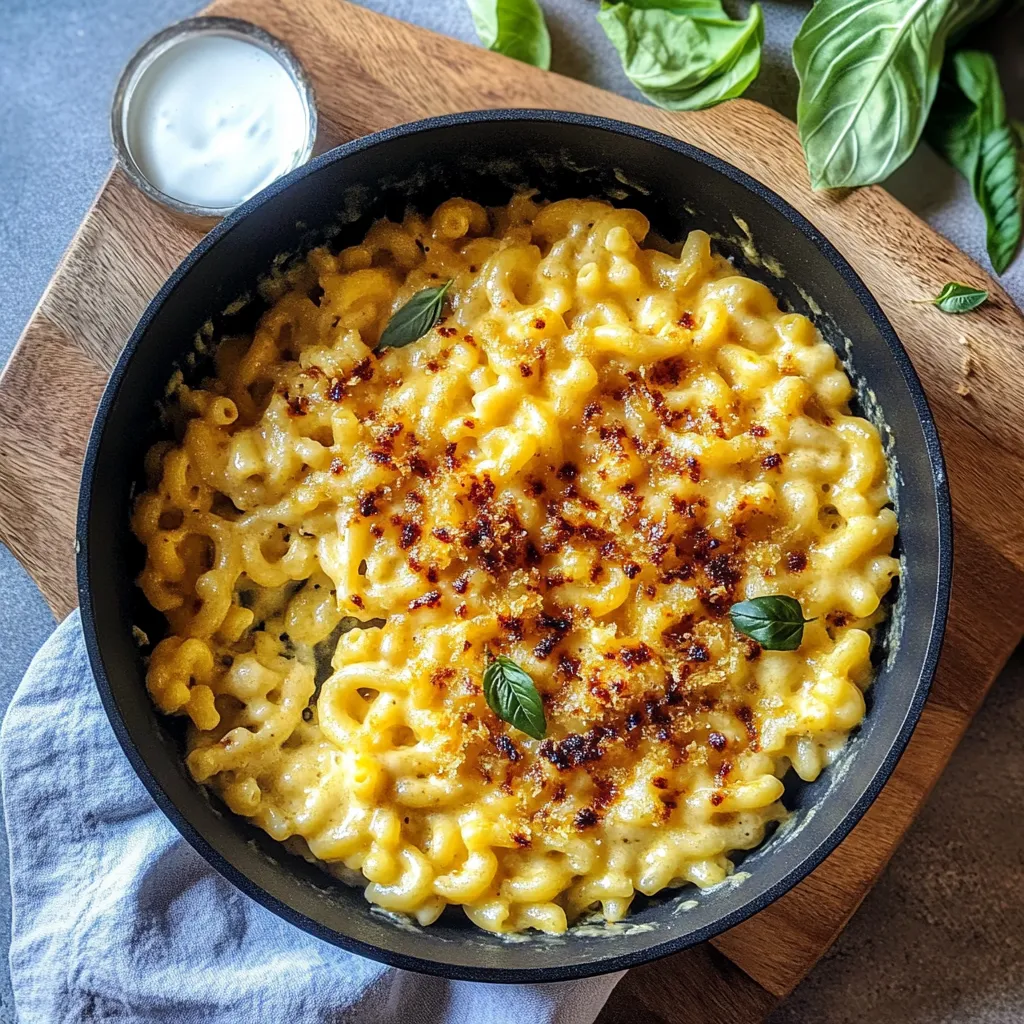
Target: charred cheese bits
<point>596,452</point>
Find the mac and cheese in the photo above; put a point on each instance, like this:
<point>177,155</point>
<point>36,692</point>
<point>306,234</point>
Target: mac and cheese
<point>597,451</point>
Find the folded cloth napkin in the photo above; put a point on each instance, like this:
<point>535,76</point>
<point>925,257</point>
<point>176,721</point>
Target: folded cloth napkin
<point>117,918</point>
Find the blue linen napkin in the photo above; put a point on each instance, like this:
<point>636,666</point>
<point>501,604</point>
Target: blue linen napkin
<point>117,918</point>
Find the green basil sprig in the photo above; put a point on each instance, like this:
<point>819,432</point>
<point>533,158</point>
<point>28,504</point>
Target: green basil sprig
<point>511,695</point>
<point>515,28</point>
<point>775,622</point>
<point>684,54</point>
<point>868,75</point>
<point>415,318</point>
<point>959,298</point>
<point>970,128</point>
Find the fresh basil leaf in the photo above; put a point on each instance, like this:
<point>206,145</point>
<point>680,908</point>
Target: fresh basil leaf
<point>515,28</point>
<point>959,298</point>
<point>684,54</point>
<point>970,128</point>
<point>868,75</point>
<point>415,318</point>
<point>511,695</point>
<point>775,622</point>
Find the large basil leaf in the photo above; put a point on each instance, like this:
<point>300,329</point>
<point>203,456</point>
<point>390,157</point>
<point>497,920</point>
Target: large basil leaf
<point>970,128</point>
<point>776,622</point>
<point>684,54</point>
<point>868,75</point>
<point>511,695</point>
<point>515,28</point>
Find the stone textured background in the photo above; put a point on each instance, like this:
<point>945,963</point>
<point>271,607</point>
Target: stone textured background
<point>940,939</point>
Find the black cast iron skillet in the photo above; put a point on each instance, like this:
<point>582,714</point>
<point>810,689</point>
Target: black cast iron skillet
<point>485,156</point>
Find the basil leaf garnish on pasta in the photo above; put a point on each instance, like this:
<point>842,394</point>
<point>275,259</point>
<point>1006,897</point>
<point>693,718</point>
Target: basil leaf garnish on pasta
<point>959,298</point>
<point>775,622</point>
<point>511,695</point>
<point>415,318</point>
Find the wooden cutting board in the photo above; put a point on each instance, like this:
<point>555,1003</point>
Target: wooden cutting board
<point>371,72</point>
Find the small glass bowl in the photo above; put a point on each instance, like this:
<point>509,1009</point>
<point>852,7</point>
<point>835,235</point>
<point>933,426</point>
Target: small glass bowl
<point>160,44</point>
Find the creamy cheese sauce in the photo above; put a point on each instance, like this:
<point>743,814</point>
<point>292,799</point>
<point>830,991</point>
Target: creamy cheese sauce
<point>214,119</point>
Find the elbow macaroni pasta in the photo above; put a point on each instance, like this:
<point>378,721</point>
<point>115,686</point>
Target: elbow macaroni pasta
<point>594,454</point>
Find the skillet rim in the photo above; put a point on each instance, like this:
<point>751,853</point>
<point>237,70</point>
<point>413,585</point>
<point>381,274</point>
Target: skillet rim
<point>605,965</point>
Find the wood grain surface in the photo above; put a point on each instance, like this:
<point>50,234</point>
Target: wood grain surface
<point>371,72</point>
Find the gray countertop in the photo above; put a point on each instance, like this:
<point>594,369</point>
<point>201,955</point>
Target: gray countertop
<point>939,939</point>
